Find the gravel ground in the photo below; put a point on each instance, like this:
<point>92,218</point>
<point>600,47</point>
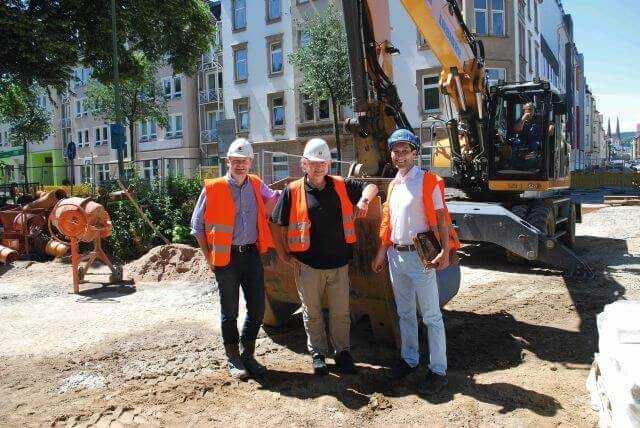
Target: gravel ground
<point>520,344</point>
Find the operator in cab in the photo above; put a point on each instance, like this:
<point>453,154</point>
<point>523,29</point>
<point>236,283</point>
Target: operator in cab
<point>527,145</point>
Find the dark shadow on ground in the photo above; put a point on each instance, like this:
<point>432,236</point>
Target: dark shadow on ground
<point>95,292</point>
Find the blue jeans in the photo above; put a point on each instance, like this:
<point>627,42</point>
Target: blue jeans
<point>245,271</point>
<point>411,285</point>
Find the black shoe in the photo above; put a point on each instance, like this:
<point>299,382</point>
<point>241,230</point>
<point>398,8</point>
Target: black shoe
<point>254,368</point>
<point>319,366</point>
<point>401,369</point>
<point>344,363</point>
<point>432,383</point>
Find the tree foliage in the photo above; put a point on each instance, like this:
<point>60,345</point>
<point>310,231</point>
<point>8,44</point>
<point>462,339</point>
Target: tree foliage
<point>323,61</point>
<point>43,40</point>
<point>28,121</point>
<point>141,98</point>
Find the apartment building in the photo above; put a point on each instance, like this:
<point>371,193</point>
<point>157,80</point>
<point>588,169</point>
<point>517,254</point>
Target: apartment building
<point>44,157</point>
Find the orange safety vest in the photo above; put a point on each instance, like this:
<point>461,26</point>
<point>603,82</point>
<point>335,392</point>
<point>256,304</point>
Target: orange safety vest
<point>299,231</point>
<point>429,183</point>
<point>219,219</point>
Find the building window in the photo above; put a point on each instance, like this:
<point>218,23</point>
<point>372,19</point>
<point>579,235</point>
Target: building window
<point>240,69</point>
<point>480,9</point>
<point>172,87</point>
<point>148,130</point>
<point>497,18</point>
<point>493,9</point>
<point>280,167</point>
<point>102,170</point>
<point>530,57</point>
<point>275,57</point>
<point>535,14</point>
<point>241,108</point>
<point>277,111</point>
<point>536,70</point>
<point>335,165</point>
<point>425,158</point>
<point>151,169</point>
<point>102,135</point>
<point>303,38</point>
<point>430,94</point>
<point>85,174</point>
<point>80,108</point>
<point>308,109</point>
<point>494,75</point>
<point>324,111</point>
<point>273,11</point>
<point>174,126</point>
<point>239,14</point>
<point>177,87</point>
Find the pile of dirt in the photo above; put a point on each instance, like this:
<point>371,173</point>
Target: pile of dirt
<point>175,262</point>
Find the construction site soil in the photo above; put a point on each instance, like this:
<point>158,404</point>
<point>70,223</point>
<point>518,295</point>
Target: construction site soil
<point>520,345</point>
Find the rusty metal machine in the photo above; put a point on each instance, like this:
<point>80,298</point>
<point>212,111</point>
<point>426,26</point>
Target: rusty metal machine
<point>80,220</point>
<point>24,228</point>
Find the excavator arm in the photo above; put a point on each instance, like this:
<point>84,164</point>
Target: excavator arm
<point>377,107</point>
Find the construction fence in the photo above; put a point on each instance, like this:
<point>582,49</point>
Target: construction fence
<point>605,179</point>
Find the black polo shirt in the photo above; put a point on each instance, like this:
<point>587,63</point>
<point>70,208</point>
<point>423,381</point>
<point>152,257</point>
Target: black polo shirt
<point>328,249</point>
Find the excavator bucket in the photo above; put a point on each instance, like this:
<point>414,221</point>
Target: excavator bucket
<point>371,294</point>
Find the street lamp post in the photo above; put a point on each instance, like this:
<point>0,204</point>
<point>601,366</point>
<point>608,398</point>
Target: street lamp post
<point>116,85</point>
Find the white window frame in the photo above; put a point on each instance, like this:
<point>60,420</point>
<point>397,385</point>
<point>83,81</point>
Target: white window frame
<point>485,11</point>
<point>146,133</point>
<point>102,135</point>
<point>273,112</point>
<point>176,87</point>
<point>103,172</point>
<point>85,173</point>
<point>278,161</point>
<point>236,64</point>
<point>303,38</point>
<point>151,169</point>
<point>430,86</point>
<point>272,52</point>
<point>79,107</point>
<point>242,108</point>
<point>167,84</point>
<point>501,14</point>
<point>172,130</point>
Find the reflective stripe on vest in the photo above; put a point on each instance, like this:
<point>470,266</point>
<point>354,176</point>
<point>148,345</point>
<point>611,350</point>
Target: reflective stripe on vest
<point>299,230</point>
<point>219,219</point>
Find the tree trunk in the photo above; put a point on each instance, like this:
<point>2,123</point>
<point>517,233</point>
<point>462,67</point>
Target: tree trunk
<point>132,155</point>
<point>336,130</point>
<point>24,164</point>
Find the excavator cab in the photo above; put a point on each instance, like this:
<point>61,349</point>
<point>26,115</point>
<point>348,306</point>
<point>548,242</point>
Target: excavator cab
<point>528,150</point>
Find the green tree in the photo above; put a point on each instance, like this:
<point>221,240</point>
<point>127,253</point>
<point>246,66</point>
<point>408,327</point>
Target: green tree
<point>141,98</point>
<point>42,41</point>
<point>324,62</point>
<point>28,121</point>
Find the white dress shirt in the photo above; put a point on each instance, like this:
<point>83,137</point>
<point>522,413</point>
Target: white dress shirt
<point>407,208</point>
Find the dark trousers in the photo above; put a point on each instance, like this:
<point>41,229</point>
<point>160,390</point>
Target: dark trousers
<point>245,270</point>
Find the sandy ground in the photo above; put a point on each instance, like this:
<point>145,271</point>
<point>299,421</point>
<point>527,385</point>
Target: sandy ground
<point>520,344</point>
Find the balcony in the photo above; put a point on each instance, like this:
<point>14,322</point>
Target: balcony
<point>210,96</point>
<point>209,136</point>
<point>211,60</point>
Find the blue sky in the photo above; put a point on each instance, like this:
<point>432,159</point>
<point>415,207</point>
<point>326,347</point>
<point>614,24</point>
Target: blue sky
<point>607,32</point>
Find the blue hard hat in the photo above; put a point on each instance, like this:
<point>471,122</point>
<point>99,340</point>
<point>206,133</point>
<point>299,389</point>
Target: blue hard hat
<point>403,136</point>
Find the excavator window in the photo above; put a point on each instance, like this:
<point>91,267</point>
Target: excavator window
<point>519,138</point>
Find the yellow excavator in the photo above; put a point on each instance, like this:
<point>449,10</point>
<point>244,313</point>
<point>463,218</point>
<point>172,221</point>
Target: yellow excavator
<point>510,170</point>
<point>507,170</point>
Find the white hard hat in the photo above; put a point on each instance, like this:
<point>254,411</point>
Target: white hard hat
<point>317,150</point>
<point>240,148</point>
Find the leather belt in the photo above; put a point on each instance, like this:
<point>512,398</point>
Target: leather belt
<point>404,247</point>
<point>243,248</point>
